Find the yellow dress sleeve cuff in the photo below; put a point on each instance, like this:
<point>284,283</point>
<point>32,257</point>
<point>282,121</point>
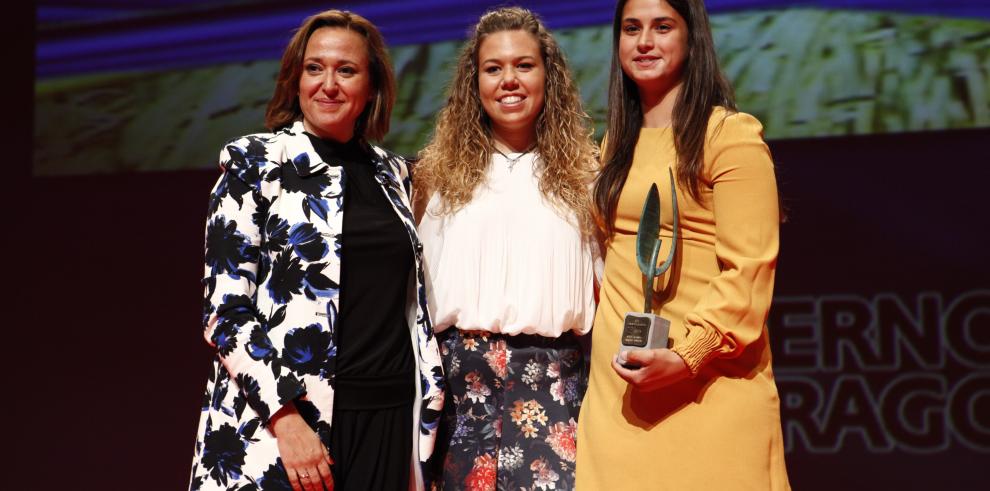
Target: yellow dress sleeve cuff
<point>702,344</point>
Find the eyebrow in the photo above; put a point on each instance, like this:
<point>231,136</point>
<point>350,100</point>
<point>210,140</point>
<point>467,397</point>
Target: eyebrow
<point>317,58</point>
<point>520,58</point>
<point>655,19</point>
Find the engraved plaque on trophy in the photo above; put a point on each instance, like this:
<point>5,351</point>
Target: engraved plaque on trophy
<point>646,330</point>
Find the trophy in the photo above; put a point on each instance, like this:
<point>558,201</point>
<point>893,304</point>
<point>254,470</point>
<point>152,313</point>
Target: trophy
<point>646,330</point>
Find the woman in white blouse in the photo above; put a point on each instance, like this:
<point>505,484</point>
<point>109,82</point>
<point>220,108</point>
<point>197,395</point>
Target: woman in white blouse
<point>505,223</point>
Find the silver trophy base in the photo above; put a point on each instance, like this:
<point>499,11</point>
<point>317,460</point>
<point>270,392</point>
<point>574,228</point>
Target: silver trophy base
<point>643,331</point>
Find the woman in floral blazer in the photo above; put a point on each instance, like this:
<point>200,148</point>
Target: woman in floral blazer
<point>274,241</point>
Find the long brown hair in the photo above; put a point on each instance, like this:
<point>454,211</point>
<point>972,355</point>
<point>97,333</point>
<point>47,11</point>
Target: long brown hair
<point>457,157</point>
<point>704,87</point>
<point>283,108</point>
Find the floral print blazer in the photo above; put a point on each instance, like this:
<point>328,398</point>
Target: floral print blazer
<point>273,239</point>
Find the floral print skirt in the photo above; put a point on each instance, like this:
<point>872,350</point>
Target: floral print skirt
<point>510,418</point>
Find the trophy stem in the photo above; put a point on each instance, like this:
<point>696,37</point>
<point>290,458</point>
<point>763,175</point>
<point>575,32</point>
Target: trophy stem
<point>661,269</point>
<point>649,278</point>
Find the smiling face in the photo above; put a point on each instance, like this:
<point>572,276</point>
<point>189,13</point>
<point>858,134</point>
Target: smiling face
<point>335,85</point>
<point>653,44</point>
<point>511,78</point>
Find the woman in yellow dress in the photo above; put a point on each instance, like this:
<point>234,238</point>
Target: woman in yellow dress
<point>703,414</point>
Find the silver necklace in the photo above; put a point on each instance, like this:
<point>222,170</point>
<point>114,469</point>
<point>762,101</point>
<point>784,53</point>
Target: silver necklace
<point>514,160</point>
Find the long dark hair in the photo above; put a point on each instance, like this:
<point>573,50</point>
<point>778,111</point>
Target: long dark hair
<point>704,87</point>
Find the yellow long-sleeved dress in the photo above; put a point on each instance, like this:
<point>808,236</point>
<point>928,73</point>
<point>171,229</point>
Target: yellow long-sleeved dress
<point>721,428</point>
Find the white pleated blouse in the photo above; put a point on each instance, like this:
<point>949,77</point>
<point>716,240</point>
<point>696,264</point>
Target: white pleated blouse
<point>508,262</point>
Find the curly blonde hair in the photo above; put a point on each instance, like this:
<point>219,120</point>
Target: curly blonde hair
<point>457,157</point>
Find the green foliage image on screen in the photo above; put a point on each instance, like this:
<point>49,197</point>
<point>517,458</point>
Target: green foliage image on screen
<point>802,72</point>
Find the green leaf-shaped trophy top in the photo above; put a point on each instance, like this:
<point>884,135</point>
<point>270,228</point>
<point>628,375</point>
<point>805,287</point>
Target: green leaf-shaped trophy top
<point>648,240</point>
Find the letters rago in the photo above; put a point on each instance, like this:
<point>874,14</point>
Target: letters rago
<point>887,373</point>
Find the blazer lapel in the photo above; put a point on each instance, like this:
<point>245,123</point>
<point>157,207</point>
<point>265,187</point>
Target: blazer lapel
<point>301,152</point>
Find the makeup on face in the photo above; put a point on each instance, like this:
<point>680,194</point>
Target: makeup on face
<point>653,44</point>
<point>511,80</point>
<point>335,84</point>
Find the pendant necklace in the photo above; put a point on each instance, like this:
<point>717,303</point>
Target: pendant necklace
<point>514,160</point>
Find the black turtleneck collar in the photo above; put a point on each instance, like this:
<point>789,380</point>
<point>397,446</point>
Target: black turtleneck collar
<point>333,152</point>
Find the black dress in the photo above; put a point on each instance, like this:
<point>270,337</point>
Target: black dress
<point>372,432</point>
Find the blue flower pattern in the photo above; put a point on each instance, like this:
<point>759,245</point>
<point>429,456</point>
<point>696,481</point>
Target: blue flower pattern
<point>272,274</point>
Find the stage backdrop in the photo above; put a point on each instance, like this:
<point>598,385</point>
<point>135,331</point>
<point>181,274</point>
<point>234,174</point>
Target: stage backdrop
<point>877,112</point>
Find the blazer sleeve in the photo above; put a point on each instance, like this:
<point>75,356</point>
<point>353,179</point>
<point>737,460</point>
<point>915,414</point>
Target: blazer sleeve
<point>405,177</point>
<point>733,310</point>
<point>232,322</point>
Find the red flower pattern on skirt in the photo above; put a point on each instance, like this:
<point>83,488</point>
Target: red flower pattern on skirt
<point>498,358</point>
<point>482,475</point>
<point>510,418</point>
<point>563,440</point>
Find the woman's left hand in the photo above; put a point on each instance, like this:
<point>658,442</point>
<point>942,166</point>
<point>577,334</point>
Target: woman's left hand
<point>306,461</point>
<point>658,368</point>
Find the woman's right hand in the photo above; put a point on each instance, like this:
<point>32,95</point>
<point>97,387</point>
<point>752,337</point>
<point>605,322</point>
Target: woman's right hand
<point>307,462</point>
<point>658,368</point>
